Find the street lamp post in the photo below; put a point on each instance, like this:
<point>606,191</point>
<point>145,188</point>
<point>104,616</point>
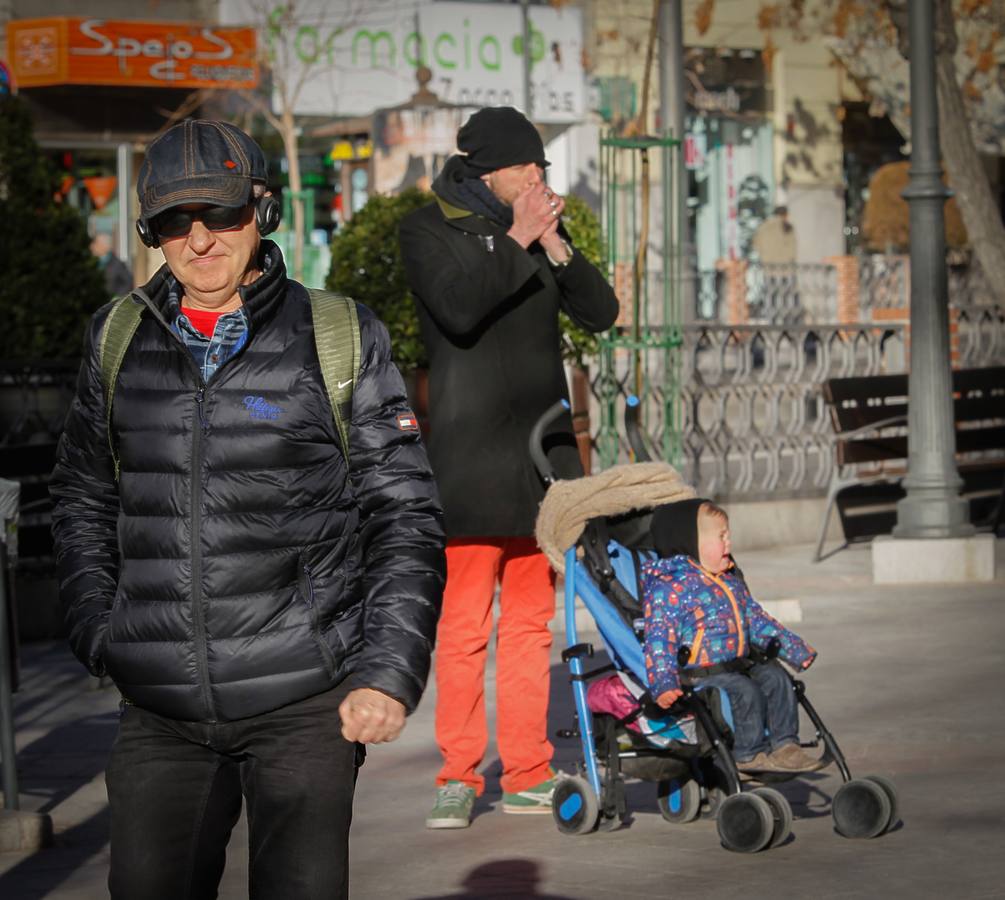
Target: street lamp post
<point>671,59</point>
<point>933,507</point>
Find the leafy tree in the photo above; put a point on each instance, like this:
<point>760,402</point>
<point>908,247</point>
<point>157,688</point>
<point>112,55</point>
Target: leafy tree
<point>578,346</point>
<point>50,283</point>
<point>366,265</point>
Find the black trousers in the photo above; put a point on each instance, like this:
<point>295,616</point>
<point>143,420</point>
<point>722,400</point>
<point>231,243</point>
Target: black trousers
<point>175,791</point>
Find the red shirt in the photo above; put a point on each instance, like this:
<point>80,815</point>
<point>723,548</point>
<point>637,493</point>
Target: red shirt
<point>203,320</point>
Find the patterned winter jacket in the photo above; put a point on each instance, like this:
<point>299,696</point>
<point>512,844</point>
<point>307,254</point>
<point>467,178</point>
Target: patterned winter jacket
<point>714,615</point>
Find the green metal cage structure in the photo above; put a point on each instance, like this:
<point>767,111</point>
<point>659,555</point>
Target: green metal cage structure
<point>316,259</point>
<point>641,355</point>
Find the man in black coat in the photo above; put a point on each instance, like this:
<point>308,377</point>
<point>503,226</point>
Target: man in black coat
<point>491,266</point>
<point>263,595</point>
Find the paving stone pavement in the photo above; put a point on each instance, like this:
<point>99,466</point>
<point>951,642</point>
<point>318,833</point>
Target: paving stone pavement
<point>909,680</point>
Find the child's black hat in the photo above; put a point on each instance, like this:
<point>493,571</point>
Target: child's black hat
<point>674,527</point>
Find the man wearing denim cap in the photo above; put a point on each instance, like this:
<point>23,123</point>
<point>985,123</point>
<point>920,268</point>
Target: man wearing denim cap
<point>264,606</point>
<point>491,265</point>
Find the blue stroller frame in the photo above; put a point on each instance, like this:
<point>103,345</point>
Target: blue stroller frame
<point>691,772</point>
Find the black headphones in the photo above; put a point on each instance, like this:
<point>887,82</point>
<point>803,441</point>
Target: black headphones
<point>268,214</point>
<point>146,233</point>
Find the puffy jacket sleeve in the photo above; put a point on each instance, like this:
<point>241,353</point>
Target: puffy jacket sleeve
<point>401,529</point>
<point>86,511</point>
<point>661,642</point>
<point>763,627</point>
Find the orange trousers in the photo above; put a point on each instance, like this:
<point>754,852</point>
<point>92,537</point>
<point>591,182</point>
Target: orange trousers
<point>523,642</point>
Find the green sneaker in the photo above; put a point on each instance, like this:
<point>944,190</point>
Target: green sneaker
<point>453,806</point>
<point>534,800</point>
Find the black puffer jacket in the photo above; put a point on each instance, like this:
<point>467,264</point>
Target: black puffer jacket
<point>488,310</point>
<point>235,568</point>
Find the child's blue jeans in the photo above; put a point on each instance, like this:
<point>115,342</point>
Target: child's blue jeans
<point>765,709</point>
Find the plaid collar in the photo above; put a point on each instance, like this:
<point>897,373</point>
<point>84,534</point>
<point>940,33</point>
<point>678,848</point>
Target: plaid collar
<point>229,336</point>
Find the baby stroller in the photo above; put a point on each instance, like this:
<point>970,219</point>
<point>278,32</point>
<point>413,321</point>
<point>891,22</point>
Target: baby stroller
<point>600,545</point>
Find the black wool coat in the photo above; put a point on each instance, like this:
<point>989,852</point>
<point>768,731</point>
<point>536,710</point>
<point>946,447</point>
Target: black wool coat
<point>238,564</point>
<point>488,310</point>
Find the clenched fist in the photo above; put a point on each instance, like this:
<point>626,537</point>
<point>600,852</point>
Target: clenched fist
<point>370,717</point>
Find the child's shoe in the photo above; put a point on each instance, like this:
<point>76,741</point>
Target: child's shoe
<point>535,799</point>
<point>791,758</point>
<point>454,801</point>
<point>760,763</point>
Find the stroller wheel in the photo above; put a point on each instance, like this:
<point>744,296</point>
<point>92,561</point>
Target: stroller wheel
<point>746,823</point>
<point>781,812</point>
<point>679,800</point>
<point>861,809</point>
<point>891,795</point>
<point>574,806</point>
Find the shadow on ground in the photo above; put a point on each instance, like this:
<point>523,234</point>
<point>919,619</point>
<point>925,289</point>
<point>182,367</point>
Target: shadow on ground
<point>512,879</point>
<point>60,771</point>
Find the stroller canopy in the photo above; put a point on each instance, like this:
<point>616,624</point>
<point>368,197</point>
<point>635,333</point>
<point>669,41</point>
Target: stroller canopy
<point>615,492</point>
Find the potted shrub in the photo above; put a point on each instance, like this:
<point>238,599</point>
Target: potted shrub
<point>51,283</point>
<point>366,265</point>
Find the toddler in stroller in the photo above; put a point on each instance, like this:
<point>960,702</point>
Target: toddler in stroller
<point>597,532</point>
<point>697,605</point>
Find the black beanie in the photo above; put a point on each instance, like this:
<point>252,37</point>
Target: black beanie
<point>675,527</point>
<point>499,136</point>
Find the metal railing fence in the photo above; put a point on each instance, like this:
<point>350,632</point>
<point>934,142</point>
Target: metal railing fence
<point>749,408</point>
<point>807,293</point>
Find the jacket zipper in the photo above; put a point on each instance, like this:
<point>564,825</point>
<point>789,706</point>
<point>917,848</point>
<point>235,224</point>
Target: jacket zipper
<point>326,651</point>
<point>198,607</point>
<point>309,579</point>
<point>696,649</point>
<point>741,648</point>
<point>202,426</point>
<point>198,613</point>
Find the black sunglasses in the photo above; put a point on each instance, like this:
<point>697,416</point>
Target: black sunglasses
<point>178,222</point>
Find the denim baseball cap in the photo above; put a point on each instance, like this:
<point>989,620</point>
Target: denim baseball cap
<point>199,161</point>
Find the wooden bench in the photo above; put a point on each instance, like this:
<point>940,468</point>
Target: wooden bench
<point>869,415</point>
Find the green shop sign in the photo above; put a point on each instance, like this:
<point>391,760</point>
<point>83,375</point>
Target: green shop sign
<point>362,57</point>
<point>379,49</point>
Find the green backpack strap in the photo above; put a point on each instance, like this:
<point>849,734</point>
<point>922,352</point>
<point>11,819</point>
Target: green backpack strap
<point>336,336</point>
<point>117,332</point>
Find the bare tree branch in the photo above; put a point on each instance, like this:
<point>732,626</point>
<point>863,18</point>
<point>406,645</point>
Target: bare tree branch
<point>288,76</point>
<point>261,106</point>
<point>191,103</point>
<point>967,173</point>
